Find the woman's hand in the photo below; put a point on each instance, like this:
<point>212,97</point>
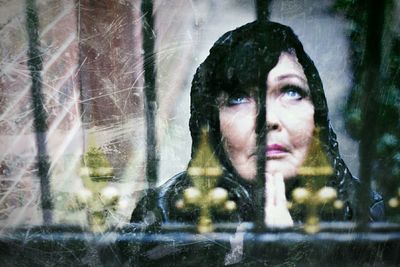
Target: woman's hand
<point>276,210</point>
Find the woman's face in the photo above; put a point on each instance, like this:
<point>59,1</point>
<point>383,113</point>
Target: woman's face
<point>290,122</point>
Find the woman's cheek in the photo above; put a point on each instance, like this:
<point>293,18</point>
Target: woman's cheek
<point>238,137</point>
<point>238,132</point>
<point>300,125</point>
<point>301,133</point>
<point>237,128</point>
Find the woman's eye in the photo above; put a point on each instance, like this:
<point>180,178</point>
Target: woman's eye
<point>237,100</point>
<point>293,93</point>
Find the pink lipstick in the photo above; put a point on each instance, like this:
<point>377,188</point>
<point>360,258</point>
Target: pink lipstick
<point>275,150</point>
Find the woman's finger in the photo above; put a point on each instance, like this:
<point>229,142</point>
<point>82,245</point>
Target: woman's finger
<point>276,211</point>
<point>280,194</point>
<point>269,190</point>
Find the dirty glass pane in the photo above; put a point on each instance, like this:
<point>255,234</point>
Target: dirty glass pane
<point>117,115</point>
<point>90,84</point>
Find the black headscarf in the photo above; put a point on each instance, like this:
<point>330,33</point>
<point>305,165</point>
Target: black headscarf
<point>238,60</point>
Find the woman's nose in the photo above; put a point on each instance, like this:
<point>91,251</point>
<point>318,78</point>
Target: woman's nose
<point>272,118</point>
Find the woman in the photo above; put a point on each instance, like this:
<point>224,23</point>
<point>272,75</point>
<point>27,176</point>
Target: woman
<point>261,63</point>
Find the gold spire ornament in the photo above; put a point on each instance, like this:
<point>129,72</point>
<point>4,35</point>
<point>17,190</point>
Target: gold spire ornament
<point>316,162</point>
<point>394,202</point>
<point>95,163</point>
<point>314,172</point>
<point>98,196</point>
<point>204,171</point>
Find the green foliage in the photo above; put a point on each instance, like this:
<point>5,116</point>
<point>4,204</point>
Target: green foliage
<point>387,161</point>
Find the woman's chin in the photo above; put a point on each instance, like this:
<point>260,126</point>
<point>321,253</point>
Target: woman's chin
<point>287,169</point>
<point>283,166</point>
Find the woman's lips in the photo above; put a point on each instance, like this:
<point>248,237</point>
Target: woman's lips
<point>276,150</point>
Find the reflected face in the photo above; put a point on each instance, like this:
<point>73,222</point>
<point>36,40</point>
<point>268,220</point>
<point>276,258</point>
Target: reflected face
<point>290,122</point>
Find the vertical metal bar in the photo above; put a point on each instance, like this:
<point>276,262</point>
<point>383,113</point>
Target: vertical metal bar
<point>150,102</point>
<point>84,104</point>
<point>262,9</point>
<point>261,132</point>
<point>35,65</point>
<point>370,107</point>
<point>259,192</point>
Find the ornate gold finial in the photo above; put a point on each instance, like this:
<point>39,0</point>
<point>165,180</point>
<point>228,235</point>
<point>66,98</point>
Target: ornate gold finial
<point>316,162</point>
<point>312,200</point>
<point>97,197</point>
<point>94,162</point>
<point>315,171</point>
<point>204,171</point>
<point>394,202</point>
